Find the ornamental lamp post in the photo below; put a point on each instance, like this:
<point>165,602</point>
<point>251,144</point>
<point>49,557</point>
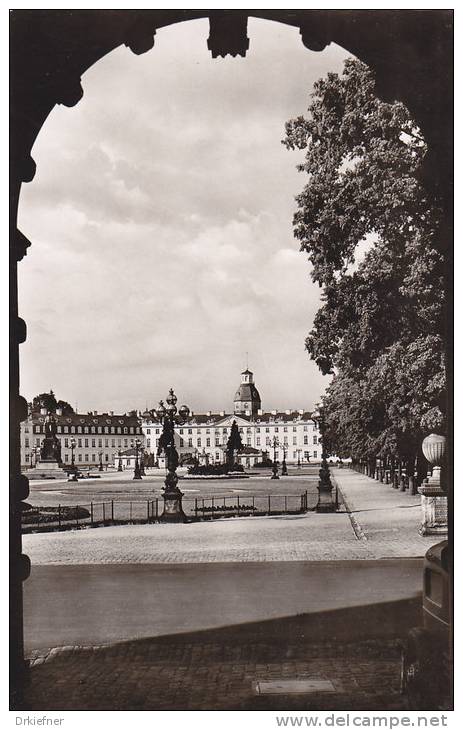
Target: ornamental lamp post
<point>136,444</point>
<point>142,461</point>
<point>169,417</point>
<point>100,454</point>
<point>275,444</point>
<point>284,468</point>
<point>73,477</point>
<point>119,465</point>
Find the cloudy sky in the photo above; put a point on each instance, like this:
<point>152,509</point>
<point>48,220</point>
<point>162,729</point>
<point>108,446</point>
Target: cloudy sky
<point>161,227</point>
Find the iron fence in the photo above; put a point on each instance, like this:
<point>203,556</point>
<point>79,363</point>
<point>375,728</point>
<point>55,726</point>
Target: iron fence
<point>121,512</point>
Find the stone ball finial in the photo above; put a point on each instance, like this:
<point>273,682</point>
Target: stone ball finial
<point>434,448</point>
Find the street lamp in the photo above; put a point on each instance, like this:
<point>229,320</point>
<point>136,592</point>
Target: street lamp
<point>169,417</point>
<point>100,454</point>
<point>119,466</point>
<point>136,444</point>
<point>275,444</point>
<point>142,461</point>
<point>73,478</point>
<point>284,468</point>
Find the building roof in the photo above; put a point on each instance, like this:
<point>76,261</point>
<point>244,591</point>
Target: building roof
<point>247,392</point>
<point>89,419</point>
<point>200,419</point>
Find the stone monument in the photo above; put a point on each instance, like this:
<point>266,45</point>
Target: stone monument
<point>49,465</point>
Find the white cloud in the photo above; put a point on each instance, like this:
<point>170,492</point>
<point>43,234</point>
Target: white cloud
<point>161,222</point>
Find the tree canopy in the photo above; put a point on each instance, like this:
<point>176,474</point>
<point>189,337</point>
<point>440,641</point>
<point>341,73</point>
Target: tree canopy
<point>380,330</point>
<point>48,401</point>
<point>234,443</point>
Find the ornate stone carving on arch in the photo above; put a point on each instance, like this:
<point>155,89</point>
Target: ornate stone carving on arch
<point>228,34</point>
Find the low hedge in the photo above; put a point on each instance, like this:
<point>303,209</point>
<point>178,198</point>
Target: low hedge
<point>50,514</point>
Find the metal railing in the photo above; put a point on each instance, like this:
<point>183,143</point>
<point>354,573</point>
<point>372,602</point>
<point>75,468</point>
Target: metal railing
<point>122,512</point>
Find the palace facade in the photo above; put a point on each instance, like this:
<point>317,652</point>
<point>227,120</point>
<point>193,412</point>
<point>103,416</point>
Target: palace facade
<point>94,434</point>
<point>204,436</point>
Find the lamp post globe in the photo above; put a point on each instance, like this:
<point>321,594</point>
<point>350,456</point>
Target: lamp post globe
<point>161,410</point>
<point>184,412</point>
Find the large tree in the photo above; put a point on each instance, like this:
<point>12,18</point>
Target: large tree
<point>234,443</point>
<point>48,401</point>
<point>380,329</point>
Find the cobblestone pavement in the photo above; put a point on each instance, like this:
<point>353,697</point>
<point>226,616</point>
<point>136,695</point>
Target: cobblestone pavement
<point>193,675</point>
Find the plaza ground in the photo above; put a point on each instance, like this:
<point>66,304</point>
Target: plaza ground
<point>191,616</point>
<point>128,499</point>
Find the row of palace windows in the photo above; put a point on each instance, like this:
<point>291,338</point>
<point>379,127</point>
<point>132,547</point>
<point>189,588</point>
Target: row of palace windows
<point>80,457</point>
<point>85,443</point>
<point>257,429</point>
<point>199,442</point>
<point>88,429</point>
<point>111,443</point>
<point>85,457</point>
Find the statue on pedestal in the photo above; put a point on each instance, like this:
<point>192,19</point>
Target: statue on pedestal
<point>50,449</point>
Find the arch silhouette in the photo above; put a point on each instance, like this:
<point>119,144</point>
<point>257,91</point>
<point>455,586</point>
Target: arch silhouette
<point>409,51</point>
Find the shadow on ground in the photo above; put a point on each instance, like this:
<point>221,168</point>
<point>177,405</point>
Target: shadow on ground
<point>357,649</point>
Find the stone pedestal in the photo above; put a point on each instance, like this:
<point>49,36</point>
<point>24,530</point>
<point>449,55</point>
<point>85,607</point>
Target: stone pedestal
<point>325,499</point>
<point>173,510</point>
<point>47,470</point>
<point>433,507</point>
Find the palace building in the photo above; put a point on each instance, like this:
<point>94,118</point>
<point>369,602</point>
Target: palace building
<point>94,434</point>
<point>204,436</point>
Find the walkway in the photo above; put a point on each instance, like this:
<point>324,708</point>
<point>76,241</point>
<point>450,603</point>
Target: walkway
<point>385,519</point>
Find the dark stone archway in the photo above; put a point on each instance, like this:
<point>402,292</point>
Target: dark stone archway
<point>410,52</point>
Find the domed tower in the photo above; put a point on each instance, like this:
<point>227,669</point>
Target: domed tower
<point>247,396</point>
